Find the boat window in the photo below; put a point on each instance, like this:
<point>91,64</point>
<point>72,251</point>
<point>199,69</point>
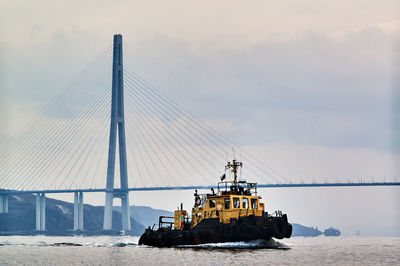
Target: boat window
<point>254,203</point>
<point>245,203</point>
<point>236,203</point>
<point>212,203</point>
<point>227,203</point>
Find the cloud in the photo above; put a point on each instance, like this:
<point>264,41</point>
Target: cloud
<point>316,89</point>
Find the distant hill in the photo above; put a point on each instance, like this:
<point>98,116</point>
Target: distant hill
<point>331,232</point>
<point>59,217</point>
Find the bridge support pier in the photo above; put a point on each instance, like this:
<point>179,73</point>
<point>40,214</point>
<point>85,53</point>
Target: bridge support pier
<point>40,212</point>
<point>76,215</point>
<point>3,203</point>
<point>78,211</point>
<point>80,208</point>
<point>107,223</point>
<point>37,212</point>
<point>126,219</point>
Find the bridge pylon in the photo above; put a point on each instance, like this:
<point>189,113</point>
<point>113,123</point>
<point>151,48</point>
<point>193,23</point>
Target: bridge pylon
<point>117,124</point>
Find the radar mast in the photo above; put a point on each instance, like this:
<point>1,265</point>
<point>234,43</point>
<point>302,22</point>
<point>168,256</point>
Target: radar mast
<point>234,165</point>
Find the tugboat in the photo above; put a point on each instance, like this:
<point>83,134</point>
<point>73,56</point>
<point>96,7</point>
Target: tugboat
<point>233,213</point>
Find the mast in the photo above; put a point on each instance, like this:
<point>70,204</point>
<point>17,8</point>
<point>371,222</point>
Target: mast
<point>234,165</point>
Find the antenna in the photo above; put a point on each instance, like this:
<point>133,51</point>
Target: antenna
<point>234,165</point>
<point>234,157</point>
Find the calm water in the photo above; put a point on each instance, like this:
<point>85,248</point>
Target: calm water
<point>41,250</point>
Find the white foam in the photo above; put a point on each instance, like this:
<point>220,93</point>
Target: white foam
<point>254,244</point>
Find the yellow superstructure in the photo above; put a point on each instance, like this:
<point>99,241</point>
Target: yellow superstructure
<point>227,207</point>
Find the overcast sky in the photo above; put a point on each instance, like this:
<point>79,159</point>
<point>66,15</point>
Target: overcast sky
<point>309,86</point>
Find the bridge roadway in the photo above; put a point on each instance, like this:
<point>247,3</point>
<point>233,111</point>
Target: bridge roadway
<point>289,185</point>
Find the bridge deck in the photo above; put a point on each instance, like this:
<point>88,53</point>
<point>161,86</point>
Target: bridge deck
<point>291,185</point>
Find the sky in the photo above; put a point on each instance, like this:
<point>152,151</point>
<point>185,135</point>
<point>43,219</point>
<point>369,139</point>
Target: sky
<point>309,87</point>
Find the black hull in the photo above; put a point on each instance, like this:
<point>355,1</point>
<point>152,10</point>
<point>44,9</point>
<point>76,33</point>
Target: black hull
<point>211,231</point>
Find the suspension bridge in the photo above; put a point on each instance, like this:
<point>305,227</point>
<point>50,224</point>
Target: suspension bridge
<point>67,147</point>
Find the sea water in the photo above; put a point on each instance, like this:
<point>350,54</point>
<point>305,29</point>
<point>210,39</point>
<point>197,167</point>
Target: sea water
<point>124,250</point>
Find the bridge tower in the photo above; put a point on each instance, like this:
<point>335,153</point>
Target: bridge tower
<point>117,124</point>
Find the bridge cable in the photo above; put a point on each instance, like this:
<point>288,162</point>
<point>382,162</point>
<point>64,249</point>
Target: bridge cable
<point>190,123</point>
<point>62,129</point>
<point>55,150</point>
<point>31,124</point>
<point>43,135</point>
<point>193,118</point>
<point>156,107</point>
<point>137,110</point>
<point>177,133</point>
